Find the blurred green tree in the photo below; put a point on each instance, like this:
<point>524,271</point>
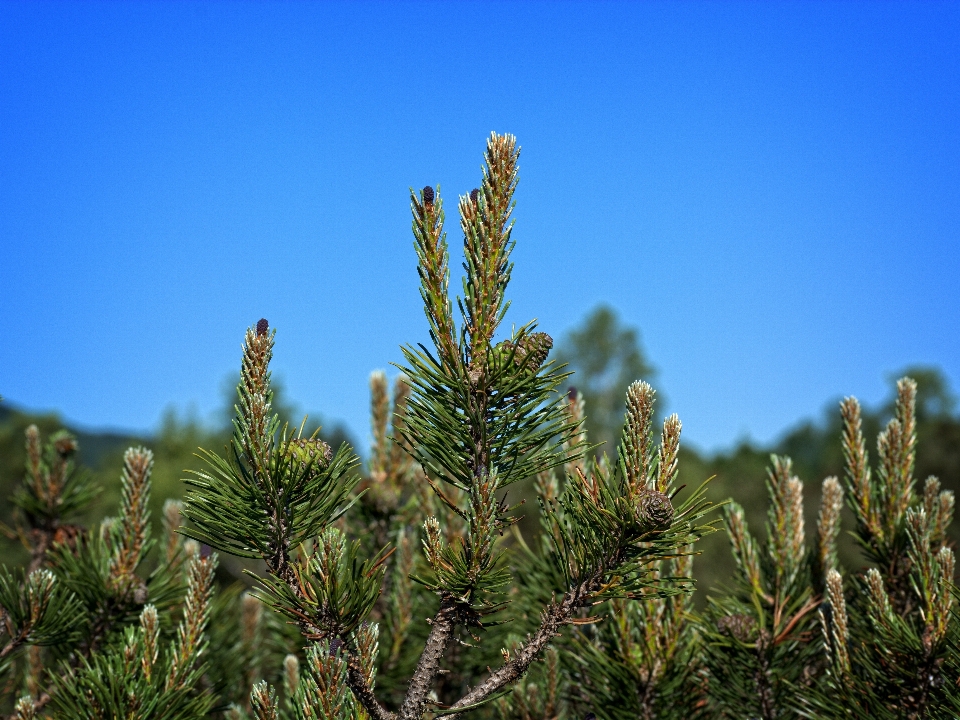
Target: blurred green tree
<point>605,356</point>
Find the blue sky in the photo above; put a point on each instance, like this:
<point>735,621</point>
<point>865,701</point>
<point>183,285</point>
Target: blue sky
<point>770,191</point>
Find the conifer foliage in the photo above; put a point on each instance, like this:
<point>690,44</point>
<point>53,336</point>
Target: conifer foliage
<point>634,656</point>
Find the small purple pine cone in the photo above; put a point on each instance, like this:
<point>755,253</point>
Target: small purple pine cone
<point>262,327</point>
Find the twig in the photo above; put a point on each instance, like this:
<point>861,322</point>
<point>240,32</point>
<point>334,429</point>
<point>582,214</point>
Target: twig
<point>441,631</point>
<point>554,617</point>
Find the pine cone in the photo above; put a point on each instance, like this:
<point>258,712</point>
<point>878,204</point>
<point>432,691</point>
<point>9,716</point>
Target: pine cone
<point>428,195</point>
<point>654,510</point>
<point>306,451</point>
<point>475,195</point>
<point>68,535</point>
<point>140,593</point>
<point>739,627</point>
<point>64,443</point>
<point>537,346</point>
<point>262,327</point>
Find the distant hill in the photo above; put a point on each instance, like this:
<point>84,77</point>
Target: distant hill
<point>94,446</point>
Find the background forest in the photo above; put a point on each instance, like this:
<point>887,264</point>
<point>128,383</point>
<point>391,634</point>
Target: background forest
<point>606,356</point>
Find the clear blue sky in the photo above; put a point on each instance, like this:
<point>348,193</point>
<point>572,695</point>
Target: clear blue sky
<point>771,192</point>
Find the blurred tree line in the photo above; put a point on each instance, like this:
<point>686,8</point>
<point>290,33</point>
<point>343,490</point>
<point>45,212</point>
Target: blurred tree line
<point>605,356</point>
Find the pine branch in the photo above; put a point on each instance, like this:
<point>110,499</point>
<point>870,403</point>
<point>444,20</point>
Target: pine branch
<point>615,562</point>
<point>637,436</point>
<point>134,528</point>
<point>357,682</point>
<point>481,427</point>
<point>828,525</point>
<point>401,601</point>
<point>786,526</point>
<point>485,219</point>
<point>263,700</point>
<point>839,634</point>
<point>745,551</point>
<point>274,494</point>
<point>578,434</point>
<point>189,644</point>
<point>399,456</point>
<point>379,419</point>
<point>173,541</point>
<point>858,474</point>
<point>668,454</point>
<point>431,246</point>
<point>555,616</point>
<point>53,491</point>
<point>36,609</point>
<point>441,632</point>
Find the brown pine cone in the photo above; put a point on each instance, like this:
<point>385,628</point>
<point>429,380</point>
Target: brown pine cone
<point>537,346</point>
<point>654,510</point>
<point>740,627</point>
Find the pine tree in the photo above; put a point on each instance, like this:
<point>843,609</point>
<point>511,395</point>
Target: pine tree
<point>481,415</point>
